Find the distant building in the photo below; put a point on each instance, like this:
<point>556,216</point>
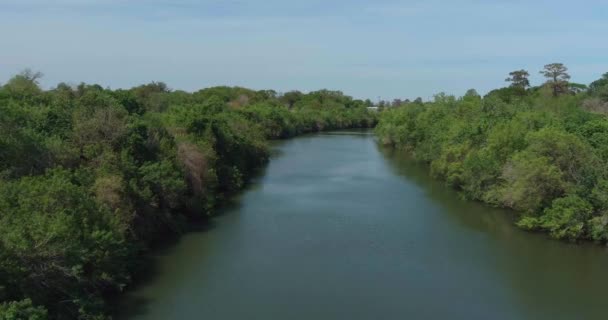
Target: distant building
<point>372,108</point>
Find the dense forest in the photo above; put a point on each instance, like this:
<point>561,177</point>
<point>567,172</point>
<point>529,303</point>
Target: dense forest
<point>91,178</point>
<point>540,150</point>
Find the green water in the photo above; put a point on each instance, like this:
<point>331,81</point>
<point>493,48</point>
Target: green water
<point>338,228</point>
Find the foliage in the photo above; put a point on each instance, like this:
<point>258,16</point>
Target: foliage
<point>21,310</point>
<point>557,77</point>
<point>519,79</point>
<point>544,156</point>
<point>565,219</point>
<point>91,177</point>
<point>599,84</point>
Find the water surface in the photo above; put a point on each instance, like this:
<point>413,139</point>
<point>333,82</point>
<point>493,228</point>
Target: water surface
<point>338,228</point>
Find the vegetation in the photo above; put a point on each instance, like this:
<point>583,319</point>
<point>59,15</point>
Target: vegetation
<point>91,177</point>
<point>542,151</point>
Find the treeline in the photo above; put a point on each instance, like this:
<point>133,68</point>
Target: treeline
<point>542,150</point>
<point>90,177</point>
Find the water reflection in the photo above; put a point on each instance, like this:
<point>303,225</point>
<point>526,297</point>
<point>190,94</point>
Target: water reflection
<point>551,279</point>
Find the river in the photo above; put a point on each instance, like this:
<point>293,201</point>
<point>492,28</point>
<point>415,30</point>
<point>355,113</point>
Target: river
<point>337,227</point>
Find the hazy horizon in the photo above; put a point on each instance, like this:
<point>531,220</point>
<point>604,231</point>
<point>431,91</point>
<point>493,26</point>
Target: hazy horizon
<point>367,49</point>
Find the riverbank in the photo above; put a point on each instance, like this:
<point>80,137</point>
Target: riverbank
<point>91,178</point>
<point>540,155</point>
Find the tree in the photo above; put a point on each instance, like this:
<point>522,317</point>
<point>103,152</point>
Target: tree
<point>557,77</point>
<point>290,98</point>
<point>576,88</point>
<point>472,93</point>
<point>22,310</point>
<point>599,84</point>
<point>519,79</point>
<point>565,219</point>
<point>152,96</point>
<point>24,85</point>
<point>31,75</point>
<point>382,104</point>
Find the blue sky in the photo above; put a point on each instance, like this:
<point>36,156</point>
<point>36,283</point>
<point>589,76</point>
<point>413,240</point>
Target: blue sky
<point>368,49</point>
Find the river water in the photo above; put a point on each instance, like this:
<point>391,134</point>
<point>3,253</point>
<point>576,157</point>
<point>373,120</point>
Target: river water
<point>339,228</point>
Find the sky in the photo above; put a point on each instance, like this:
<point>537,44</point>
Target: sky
<point>377,49</point>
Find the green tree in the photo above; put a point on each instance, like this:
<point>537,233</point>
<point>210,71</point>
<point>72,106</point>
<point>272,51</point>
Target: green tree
<point>565,219</point>
<point>22,310</point>
<point>576,88</point>
<point>599,84</point>
<point>25,85</point>
<point>557,76</point>
<point>472,93</point>
<point>290,98</point>
<point>519,79</point>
